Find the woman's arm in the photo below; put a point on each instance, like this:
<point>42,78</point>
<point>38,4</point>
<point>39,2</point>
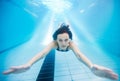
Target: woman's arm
<point>41,54</point>
<point>80,56</point>
<point>96,69</point>
<point>25,67</point>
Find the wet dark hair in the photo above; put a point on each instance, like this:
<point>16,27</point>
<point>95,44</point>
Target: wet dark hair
<point>63,29</point>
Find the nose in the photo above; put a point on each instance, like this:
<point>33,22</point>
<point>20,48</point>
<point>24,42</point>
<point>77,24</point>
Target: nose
<point>63,43</point>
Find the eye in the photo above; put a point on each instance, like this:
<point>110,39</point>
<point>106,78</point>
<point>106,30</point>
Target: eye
<point>66,40</point>
<point>60,40</point>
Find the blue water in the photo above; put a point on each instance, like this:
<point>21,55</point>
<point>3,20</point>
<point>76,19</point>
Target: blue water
<point>26,27</point>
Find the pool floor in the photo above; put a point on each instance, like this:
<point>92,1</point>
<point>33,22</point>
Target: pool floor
<point>66,66</point>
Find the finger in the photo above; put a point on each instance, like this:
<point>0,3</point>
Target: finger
<point>107,69</point>
<point>13,67</point>
<point>16,67</point>
<point>103,68</point>
<point>8,71</point>
<point>115,77</point>
<point>111,75</point>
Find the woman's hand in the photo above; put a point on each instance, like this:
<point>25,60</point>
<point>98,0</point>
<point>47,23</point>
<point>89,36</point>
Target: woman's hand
<point>104,72</point>
<point>17,69</point>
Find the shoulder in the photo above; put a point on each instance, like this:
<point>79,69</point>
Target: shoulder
<point>73,45</point>
<point>52,44</point>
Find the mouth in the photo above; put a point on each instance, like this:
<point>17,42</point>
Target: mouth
<point>63,46</point>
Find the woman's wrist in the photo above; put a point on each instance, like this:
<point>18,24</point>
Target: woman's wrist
<point>28,65</point>
<point>91,66</point>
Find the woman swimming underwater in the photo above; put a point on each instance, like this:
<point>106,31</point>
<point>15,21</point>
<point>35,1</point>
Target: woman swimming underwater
<point>62,41</point>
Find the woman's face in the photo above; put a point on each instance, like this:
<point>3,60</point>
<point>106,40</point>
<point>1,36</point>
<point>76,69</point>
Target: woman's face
<point>63,41</point>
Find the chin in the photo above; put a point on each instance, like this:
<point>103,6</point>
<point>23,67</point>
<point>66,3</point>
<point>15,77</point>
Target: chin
<point>63,48</point>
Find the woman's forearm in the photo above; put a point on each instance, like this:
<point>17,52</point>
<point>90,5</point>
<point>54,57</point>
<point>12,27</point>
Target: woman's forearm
<point>41,54</point>
<point>85,60</point>
<point>36,58</point>
<point>80,56</point>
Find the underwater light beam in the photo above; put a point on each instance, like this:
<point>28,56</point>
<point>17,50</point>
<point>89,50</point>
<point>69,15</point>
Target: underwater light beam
<point>48,37</point>
<point>57,6</point>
